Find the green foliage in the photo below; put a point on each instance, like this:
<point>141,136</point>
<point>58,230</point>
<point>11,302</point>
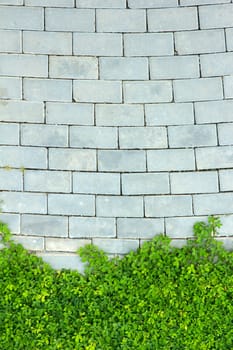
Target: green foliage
<point>159,297</point>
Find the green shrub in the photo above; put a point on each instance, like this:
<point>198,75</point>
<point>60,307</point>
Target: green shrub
<point>159,297</point>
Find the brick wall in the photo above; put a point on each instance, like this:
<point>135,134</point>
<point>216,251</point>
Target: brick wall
<point>116,122</point>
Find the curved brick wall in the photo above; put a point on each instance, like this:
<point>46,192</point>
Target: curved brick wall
<point>116,121</point>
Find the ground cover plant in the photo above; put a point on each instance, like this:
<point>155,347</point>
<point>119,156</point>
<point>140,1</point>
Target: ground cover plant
<point>159,297</point>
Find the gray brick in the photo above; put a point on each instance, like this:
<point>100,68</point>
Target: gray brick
<point>97,44</point>
<point>139,228</point>
<point>44,135</point>
<point>11,180</point>
<point>202,2</point>
<point>116,246</point>
<point>48,90</point>
<point>121,161</point>
<point>198,89</point>
<point>21,111</point>
<point>211,204</point>
<point>50,3</point>
<point>45,225</point>
<point>47,43</point>
<point>228,86</point>
<point>182,227</point>
<point>11,2</point>
<point>178,243</point>
<point>217,64</point>
<point>71,204</point>
<point>10,88</point>
<point>124,68</point>
<point>227,242</point>
<point>97,91</point>
<point>92,227</point>
<point>152,3</point>
<point>69,20</point>
<point>9,134</point>
<point>225,133</point>
<point>119,115</point>
<point>194,182</point>
<point>160,206</point>
<point>65,244</point>
<point>229,39</point>
<point>217,16</point>
<point>23,65</point>
<point>93,137</point>
<point>176,67</point>
<point>10,41</point>
<point>26,157</point>
<point>19,202</point>
<point>226,180</point>
<point>214,157</point>
<point>47,181</point>
<point>69,113</point>
<point>192,136</point>
<point>61,261</point>
<point>101,3</point>
<point>169,114</point>
<point>227,225</point>
<point>21,18</point>
<point>143,137</point>
<point>148,92</point>
<point>120,20</point>
<point>145,184</point>
<point>73,67</point>
<point>12,220</point>
<point>96,183</point>
<point>30,243</point>
<point>119,206</point>
<point>170,160</point>
<point>214,111</point>
<point>72,159</point>
<point>200,41</point>
<point>148,44</point>
<point>172,19</point>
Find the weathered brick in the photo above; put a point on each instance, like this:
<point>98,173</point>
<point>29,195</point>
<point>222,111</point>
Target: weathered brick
<point>10,41</point>
<point>11,180</point>
<point>211,204</point>
<point>119,115</point>
<point>124,68</point>
<point>170,160</point>
<point>119,206</point>
<point>214,157</point>
<point>169,114</point>
<point>194,182</point>
<point>96,183</point>
<point>69,113</point>
<point>139,228</point>
<point>12,220</point>
<point>72,159</point>
<point>9,134</point>
<point>160,206</point>
<point>44,135</point>
<point>19,202</point>
<point>10,88</point>
<point>145,184</point>
<point>152,3</point>
<point>226,180</point>
<point>121,161</point>
<point>23,65</point>
<point>181,227</point>
<point>147,92</point>
<point>20,17</point>
<point>93,137</point>
<point>192,135</point>
<point>71,204</point>
<point>116,246</point>
<point>101,3</point>
<point>60,261</point>
<point>73,67</point>
<point>176,67</point>
<point>217,64</point>
<point>26,157</point>
<point>229,39</point>
<point>50,3</point>
<point>45,225</point>
<point>225,132</point>
<point>142,137</point>
<point>228,86</point>
<point>97,91</point>
<point>213,112</point>
<point>65,244</point>
<point>21,111</point>
<point>92,227</point>
<point>216,16</point>
<point>97,44</point>
<point>30,243</point>
<point>47,181</point>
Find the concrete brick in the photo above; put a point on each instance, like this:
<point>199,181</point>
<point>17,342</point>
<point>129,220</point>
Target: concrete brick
<point>93,137</point>
<point>217,64</point>
<point>71,204</point>
<point>214,157</point>
<point>119,115</point>
<point>65,244</point>
<point>216,16</point>
<point>72,159</point>
<point>148,44</point>
<point>11,2</point>
<point>228,86</point>
<point>139,228</point>
<point>225,132</point>
<point>147,92</point>
<point>23,65</point>
<point>97,91</point>
<point>47,181</point>
<point>48,90</point>
<point>12,220</point>
<point>21,111</point>
<point>176,67</point>
<point>192,136</point>
<point>50,3</point>
<point>121,161</point>
<point>151,3</point>
<point>119,206</point>
<point>119,20</point>
<point>44,135</point>
<point>194,182</point>
<point>227,227</point>
<point>198,89</point>
<point>30,243</point>
<point>19,202</point>
<point>145,184</point>
<point>11,180</point>
<point>200,41</point>
<point>202,2</point>
<point>213,112</point>
<point>97,44</point>
<point>10,41</point>
<point>226,180</point>
<point>9,134</point>
<point>96,183</point>
<point>169,114</point>
<point>161,206</point>
<point>92,227</point>
<point>170,160</point>
<point>45,225</point>
<point>211,204</point>
<point>69,20</point>
<point>142,137</point>
<point>182,227</point>
<point>116,246</point>
<point>61,261</point>
<point>10,88</point>
<point>20,17</point>
<point>26,157</point>
<point>47,43</point>
<point>124,68</point>
<point>101,3</point>
<point>73,67</point>
<point>69,113</point>
<point>227,242</point>
<point>178,243</point>
<point>229,39</point>
<point>172,19</point>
